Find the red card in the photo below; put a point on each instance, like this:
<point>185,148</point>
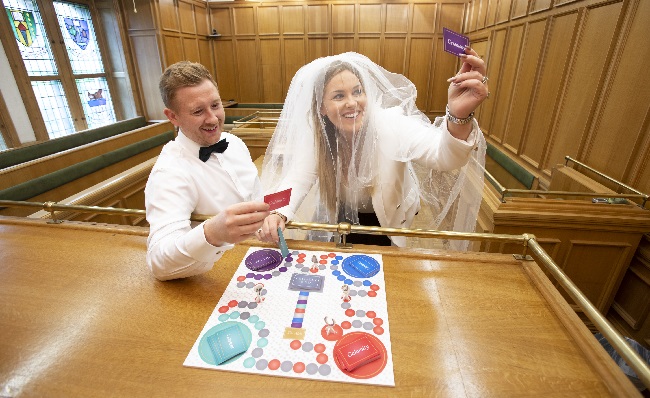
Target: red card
<point>356,353</point>
<point>278,199</point>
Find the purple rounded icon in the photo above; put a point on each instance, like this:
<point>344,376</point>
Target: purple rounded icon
<point>263,260</point>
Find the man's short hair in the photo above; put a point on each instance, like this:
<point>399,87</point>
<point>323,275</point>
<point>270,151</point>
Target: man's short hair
<point>179,75</point>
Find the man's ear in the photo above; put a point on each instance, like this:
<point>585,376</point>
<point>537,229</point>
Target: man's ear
<point>171,116</point>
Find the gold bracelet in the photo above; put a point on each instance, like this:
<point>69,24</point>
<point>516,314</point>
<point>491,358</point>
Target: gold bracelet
<point>282,216</point>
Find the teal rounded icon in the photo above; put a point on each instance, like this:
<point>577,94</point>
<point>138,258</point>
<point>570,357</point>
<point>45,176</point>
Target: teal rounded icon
<point>204,349</point>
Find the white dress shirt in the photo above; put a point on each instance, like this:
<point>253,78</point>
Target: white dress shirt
<point>181,184</point>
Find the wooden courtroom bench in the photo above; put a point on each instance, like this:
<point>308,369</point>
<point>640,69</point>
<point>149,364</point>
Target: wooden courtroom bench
<point>592,242</point>
<point>58,176</point>
<point>16,156</point>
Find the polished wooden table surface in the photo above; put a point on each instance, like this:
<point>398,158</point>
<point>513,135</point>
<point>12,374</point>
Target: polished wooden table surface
<point>82,316</point>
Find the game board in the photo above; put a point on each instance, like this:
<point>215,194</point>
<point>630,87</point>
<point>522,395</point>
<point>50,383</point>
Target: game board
<point>310,315</point>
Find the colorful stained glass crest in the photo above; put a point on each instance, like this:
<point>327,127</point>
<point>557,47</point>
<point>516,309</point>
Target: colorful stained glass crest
<point>24,26</point>
<point>78,29</point>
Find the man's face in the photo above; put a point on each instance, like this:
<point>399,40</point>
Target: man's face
<point>344,102</point>
<point>198,112</point>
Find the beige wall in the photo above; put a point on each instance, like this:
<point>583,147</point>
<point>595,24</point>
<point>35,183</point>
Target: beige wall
<point>566,79</point>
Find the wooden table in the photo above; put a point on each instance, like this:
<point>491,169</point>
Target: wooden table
<point>82,316</point>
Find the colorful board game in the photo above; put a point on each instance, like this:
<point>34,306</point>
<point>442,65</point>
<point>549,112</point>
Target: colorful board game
<point>310,315</point>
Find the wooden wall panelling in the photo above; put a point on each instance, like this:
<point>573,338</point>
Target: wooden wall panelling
<point>205,55</point>
<point>317,47</point>
<point>540,5</point>
<point>168,15</point>
<point>201,20</point>
<point>519,8</point>
<point>244,20</point>
<point>420,66</point>
<point>371,48</point>
<point>623,95</point>
<point>191,49</point>
<point>559,47</point>
<point>504,79</point>
<point>227,78</point>
<point>370,18</point>
<point>149,68</point>
<point>470,19</point>
<point>472,9</point>
<point>632,302</point>
<point>598,268</point>
<point>451,17</point>
<point>583,85</point>
<point>396,16</point>
<point>247,70</point>
<point>424,18</point>
<point>640,173</point>
<point>491,13</point>
<point>526,78</point>
<point>186,17</point>
<point>343,18</point>
<point>268,21</point>
<point>494,58</point>
<point>272,82</point>
<point>294,58</point>
<point>394,54</point>
<point>480,14</point>
<point>293,20</point>
<point>341,44</point>
<point>562,2</point>
<point>503,11</point>
<point>141,20</point>
<point>173,49</point>
<point>221,21</point>
<point>318,19</point>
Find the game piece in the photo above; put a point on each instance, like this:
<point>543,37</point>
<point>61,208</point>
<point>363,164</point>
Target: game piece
<point>455,43</point>
<point>258,290</point>
<point>329,328</point>
<point>346,293</point>
<point>284,249</point>
<point>263,260</point>
<point>278,199</point>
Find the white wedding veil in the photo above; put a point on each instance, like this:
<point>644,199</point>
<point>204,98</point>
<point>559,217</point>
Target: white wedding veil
<point>333,175</point>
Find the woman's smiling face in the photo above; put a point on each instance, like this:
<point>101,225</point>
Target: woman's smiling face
<point>344,102</point>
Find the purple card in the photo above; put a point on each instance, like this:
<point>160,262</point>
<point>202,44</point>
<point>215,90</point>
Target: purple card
<point>454,42</point>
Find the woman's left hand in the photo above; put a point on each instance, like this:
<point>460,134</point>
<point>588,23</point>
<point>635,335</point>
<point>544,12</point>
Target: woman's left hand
<point>468,89</point>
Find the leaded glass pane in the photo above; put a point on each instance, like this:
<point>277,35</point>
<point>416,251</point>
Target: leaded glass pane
<point>54,107</point>
<point>27,25</point>
<point>3,144</point>
<point>97,102</point>
<point>79,35</point>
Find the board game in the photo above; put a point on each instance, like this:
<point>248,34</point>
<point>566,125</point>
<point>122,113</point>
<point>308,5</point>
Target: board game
<point>310,315</point>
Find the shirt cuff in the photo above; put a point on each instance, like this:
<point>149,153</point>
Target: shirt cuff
<point>198,247</point>
<point>471,138</point>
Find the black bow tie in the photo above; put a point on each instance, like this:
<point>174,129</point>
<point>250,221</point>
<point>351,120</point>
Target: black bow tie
<point>206,151</point>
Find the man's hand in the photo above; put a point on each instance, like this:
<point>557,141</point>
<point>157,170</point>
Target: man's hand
<point>235,224</point>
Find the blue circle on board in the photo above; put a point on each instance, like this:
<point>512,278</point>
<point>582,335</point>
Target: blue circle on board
<point>360,266</point>
<point>204,349</point>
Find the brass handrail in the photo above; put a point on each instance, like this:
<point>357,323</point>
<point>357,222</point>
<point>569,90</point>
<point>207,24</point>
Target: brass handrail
<point>605,176</point>
<point>630,356</point>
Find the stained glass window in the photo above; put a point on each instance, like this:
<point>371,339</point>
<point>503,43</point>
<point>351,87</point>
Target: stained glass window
<point>79,36</point>
<point>54,107</point>
<point>3,144</point>
<point>27,25</point>
<point>96,101</point>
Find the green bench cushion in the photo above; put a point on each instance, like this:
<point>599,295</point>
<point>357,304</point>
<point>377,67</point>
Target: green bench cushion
<point>25,154</point>
<point>39,185</point>
<point>515,169</point>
